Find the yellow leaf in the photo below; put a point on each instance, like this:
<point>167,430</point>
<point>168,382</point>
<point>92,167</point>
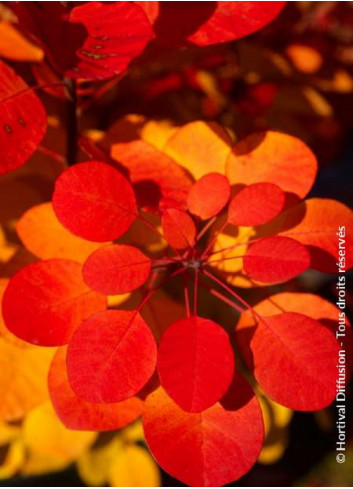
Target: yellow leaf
<point>157,133</point>
<point>44,236</point>
<point>38,464</point>
<point>13,460</point>
<point>46,436</point>
<point>8,433</point>
<point>276,420</point>
<point>13,45</point>
<point>200,147</point>
<point>134,467</point>
<point>228,246</point>
<point>23,378</point>
<point>93,465</point>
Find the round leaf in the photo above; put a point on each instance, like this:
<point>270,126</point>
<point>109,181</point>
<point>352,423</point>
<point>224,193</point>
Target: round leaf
<point>276,259</point>
<point>94,201</point>
<point>256,204</point>
<point>23,120</point>
<point>195,363</point>
<point>275,158</point>
<point>178,229</point>
<point>208,22</point>
<point>200,147</point>
<point>111,356</point>
<point>116,269</point>
<point>193,447</point>
<point>44,236</point>
<point>82,41</point>
<point>208,195</point>
<point>318,224</point>
<point>46,301</point>
<point>306,354</point>
<point>78,414</point>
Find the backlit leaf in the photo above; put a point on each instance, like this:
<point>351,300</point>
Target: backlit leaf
<point>200,148</point>
<point>276,259</point>
<point>315,223</point>
<point>178,228</point>
<point>46,301</point>
<point>208,195</point>
<point>94,201</point>
<point>44,236</point>
<point>321,310</point>
<point>211,448</point>
<point>84,42</point>
<point>156,178</point>
<point>256,204</point>
<point>78,414</point>
<point>45,435</point>
<point>275,158</point>
<point>116,269</point>
<point>15,46</point>
<point>284,343</point>
<point>23,120</point>
<point>195,363</point>
<point>23,374</point>
<point>208,22</point>
<point>111,356</point>
<point>133,467</point>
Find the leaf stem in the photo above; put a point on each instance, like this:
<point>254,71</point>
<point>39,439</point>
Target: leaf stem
<point>71,123</point>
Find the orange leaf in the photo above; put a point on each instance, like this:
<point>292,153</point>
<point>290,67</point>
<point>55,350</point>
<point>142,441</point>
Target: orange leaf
<point>44,236</point>
<point>275,158</point>
<point>15,46</point>
<point>315,223</point>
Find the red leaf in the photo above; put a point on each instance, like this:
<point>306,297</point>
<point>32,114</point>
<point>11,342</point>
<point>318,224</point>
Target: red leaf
<point>304,352</point>
<point>116,269</point>
<point>275,158</point>
<point>94,201</point>
<point>111,356</point>
<point>256,204</point>
<point>276,259</point>
<point>211,448</point>
<point>205,23</point>
<point>320,309</point>
<point>208,195</point>
<point>178,228</point>
<point>316,223</point>
<point>46,301</point>
<point>85,42</point>
<point>195,363</point>
<point>156,178</point>
<point>23,120</point>
<point>78,414</point>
